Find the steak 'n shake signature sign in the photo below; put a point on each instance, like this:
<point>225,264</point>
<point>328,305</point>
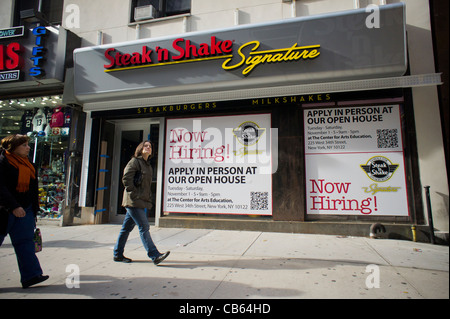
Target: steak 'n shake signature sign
<point>183,51</point>
<point>304,50</point>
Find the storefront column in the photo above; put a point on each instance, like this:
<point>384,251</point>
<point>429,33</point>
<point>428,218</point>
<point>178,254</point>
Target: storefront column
<point>288,194</point>
<point>431,153</point>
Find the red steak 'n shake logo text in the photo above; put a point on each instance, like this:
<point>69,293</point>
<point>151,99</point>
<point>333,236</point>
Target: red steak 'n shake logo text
<point>183,51</point>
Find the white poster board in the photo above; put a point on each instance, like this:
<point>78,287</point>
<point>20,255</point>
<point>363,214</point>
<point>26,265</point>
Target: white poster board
<point>219,165</point>
<point>354,161</point>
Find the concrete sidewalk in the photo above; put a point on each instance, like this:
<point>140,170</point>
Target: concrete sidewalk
<point>219,264</point>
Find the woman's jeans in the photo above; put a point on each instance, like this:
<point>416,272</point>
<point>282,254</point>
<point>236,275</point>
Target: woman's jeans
<point>21,232</point>
<point>136,216</point>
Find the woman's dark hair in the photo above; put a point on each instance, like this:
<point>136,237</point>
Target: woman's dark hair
<point>11,142</point>
<point>140,147</point>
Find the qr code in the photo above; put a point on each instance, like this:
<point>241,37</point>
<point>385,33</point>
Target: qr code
<point>387,138</point>
<point>259,200</point>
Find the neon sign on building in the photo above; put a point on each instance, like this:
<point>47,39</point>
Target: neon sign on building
<point>183,51</point>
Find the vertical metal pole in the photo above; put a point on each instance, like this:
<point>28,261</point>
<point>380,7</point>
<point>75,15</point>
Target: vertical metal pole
<point>35,149</point>
<point>430,216</point>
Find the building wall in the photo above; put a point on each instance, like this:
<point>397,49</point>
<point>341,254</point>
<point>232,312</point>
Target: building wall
<point>208,15</point>
<point>6,8</point>
<point>205,15</point>
<point>433,171</point>
<point>107,21</point>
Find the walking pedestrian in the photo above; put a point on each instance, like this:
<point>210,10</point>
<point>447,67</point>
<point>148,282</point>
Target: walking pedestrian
<point>137,179</point>
<point>20,202</point>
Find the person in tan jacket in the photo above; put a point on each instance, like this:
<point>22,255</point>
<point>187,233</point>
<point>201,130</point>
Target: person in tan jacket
<point>137,179</point>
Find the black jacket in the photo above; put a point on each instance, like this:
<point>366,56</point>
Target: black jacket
<point>9,197</point>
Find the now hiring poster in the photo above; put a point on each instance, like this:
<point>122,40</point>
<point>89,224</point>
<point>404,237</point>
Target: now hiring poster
<point>354,161</point>
<point>219,165</point>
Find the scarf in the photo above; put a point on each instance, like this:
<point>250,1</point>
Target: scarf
<point>26,171</point>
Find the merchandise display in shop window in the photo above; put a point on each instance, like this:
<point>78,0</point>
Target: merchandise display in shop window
<point>42,122</point>
<point>48,125</point>
<point>27,122</point>
<point>51,189</point>
<point>57,119</point>
<point>49,132</point>
<point>39,121</point>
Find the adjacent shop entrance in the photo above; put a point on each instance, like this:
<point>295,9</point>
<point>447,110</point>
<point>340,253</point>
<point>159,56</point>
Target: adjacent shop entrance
<point>128,135</point>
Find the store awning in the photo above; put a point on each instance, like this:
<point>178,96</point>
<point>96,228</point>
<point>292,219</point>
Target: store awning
<point>409,81</point>
<point>334,52</point>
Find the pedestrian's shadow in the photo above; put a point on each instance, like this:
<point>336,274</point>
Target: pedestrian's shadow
<point>257,263</point>
<point>69,244</point>
<point>108,287</point>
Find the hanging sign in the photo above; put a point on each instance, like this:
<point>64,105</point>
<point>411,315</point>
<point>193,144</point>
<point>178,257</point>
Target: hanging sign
<point>30,55</point>
<point>219,165</point>
<point>11,32</point>
<point>11,60</point>
<point>38,52</point>
<point>355,162</point>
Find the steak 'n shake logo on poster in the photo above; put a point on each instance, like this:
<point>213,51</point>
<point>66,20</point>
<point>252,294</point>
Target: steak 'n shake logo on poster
<point>219,165</point>
<point>379,168</point>
<point>248,133</point>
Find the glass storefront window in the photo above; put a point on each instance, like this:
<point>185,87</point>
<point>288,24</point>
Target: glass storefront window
<point>50,154</point>
<point>10,120</point>
<point>47,123</point>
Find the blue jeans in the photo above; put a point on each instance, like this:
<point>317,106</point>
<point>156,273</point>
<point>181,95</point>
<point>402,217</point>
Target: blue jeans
<point>21,232</point>
<point>136,216</point>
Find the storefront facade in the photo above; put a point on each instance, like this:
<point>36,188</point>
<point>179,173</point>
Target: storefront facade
<point>33,61</point>
<point>292,125</point>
